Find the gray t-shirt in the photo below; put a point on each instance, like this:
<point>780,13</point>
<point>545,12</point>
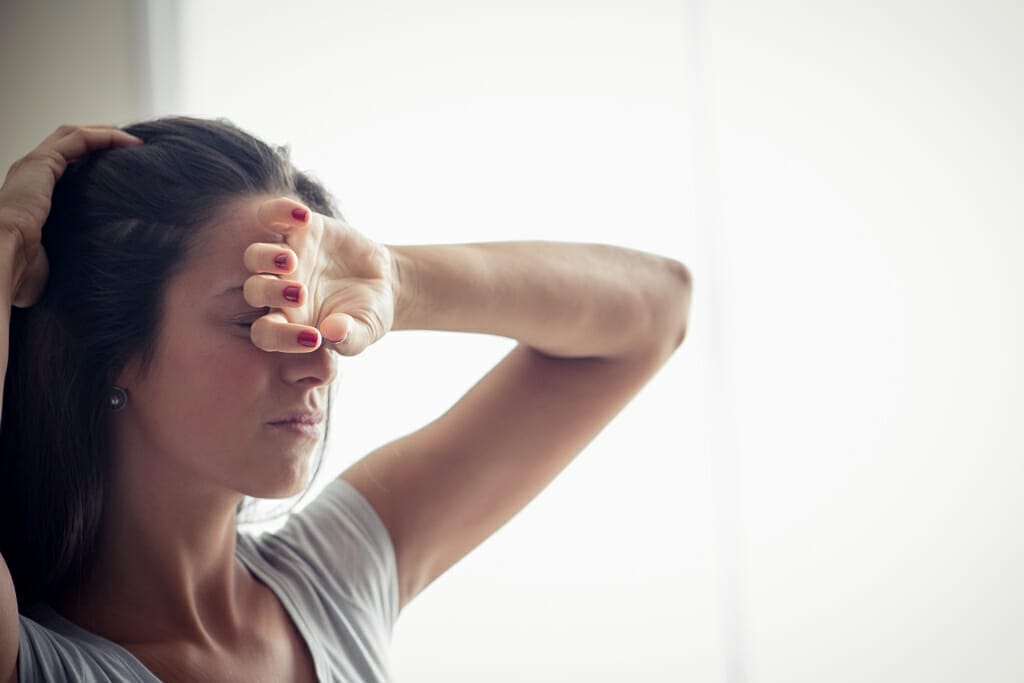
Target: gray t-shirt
<point>333,567</point>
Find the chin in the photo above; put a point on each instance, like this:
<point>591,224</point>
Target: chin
<point>285,485</point>
<point>280,473</point>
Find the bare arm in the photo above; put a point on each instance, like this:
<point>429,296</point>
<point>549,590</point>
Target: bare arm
<point>8,597</point>
<point>562,299</point>
<point>8,250</point>
<point>595,322</point>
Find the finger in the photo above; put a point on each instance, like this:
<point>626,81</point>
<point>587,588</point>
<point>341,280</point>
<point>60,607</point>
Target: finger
<point>56,154</point>
<point>64,130</point>
<point>353,335</point>
<point>284,214</point>
<point>273,332</point>
<point>80,141</point>
<point>121,136</point>
<point>68,143</point>
<point>270,290</point>
<point>268,257</point>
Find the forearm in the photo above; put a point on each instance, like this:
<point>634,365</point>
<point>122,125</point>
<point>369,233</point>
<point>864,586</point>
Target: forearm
<point>8,251</point>
<point>563,299</point>
<point>10,246</point>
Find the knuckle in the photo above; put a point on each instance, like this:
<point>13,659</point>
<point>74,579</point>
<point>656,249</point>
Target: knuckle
<point>18,163</point>
<point>261,334</point>
<point>250,257</point>
<point>34,157</point>
<point>271,208</point>
<point>78,134</point>
<point>251,290</point>
<point>66,128</point>
<point>46,157</point>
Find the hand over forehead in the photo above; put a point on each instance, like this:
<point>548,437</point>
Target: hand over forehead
<point>324,279</point>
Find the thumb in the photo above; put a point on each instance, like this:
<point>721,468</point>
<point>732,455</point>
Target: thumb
<point>348,335</point>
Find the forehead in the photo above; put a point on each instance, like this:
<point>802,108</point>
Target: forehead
<point>217,262</point>
<point>237,225</point>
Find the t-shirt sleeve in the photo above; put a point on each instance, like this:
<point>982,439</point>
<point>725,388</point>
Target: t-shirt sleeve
<point>346,546</point>
<point>45,655</point>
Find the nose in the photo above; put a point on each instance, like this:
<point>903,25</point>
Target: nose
<point>315,367</point>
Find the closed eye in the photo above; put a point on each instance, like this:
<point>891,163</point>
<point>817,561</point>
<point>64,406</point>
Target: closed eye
<point>251,320</point>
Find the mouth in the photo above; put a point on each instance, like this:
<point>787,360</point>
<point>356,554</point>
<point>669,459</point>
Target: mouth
<point>311,431</point>
<point>302,418</point>
<point>300,424</point>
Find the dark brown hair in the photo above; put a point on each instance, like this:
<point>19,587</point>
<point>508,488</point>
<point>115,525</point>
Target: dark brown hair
<point>123,221</point>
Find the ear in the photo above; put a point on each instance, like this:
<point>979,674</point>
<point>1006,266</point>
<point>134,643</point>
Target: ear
<point>129,374</point>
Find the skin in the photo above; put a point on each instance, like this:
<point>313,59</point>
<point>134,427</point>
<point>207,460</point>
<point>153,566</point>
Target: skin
<point>192,440</point>
<point>354,282</point>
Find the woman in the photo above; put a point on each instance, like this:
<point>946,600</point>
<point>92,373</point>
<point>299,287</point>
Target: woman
<point>171,352</point>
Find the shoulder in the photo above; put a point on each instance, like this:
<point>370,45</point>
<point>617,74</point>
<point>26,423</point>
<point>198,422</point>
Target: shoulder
<point>335,549</point>
<point>333,569</point>
<point>52,648</point>
<point>338,528</point>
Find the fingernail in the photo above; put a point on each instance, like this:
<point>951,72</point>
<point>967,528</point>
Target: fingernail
<point>281,261</point>
<point>291,293</point>
<point>299,214</point>
<point>307,338</point>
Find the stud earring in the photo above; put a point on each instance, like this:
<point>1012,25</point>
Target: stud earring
<point>118,398</point>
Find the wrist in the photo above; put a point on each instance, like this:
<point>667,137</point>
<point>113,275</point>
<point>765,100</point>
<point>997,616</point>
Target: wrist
<point>11,245</point>
<point>404,279</point>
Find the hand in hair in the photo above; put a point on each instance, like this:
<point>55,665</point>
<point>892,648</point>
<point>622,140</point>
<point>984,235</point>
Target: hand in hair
<point>348,282</point>
<point>26,194</point>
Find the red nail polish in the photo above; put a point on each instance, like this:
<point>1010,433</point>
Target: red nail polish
<point>281,261</point>
<point>291,293</point>
<point>308,338</point>
<point>299,214</point>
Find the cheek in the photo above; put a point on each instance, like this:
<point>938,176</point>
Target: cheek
<point>220,386</point>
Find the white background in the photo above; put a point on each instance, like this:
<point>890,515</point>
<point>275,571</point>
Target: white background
<point>462,122</point>
<point>822,484</point>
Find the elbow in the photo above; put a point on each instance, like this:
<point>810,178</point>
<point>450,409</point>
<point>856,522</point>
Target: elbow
<point>685,295</point>
<point>673,310</point>
<point>658,311</point>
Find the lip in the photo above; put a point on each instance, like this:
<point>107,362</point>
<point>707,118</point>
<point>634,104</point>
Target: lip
<point>311,431</point>
<point>301,418</point>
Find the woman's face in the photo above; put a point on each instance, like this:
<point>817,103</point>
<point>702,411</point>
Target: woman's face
<point>211,393</point>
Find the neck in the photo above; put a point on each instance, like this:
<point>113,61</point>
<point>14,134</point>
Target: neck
<point>165,567</point>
